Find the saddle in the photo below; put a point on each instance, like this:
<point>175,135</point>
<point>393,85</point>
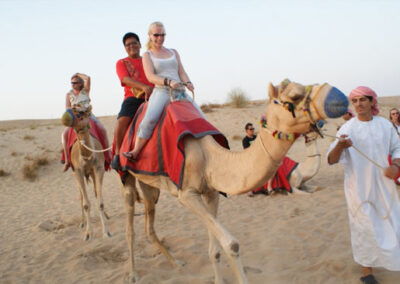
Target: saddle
<point>96,133</point>
<point>164,153</point>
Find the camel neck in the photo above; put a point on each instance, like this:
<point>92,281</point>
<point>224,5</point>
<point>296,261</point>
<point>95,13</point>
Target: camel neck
<point>248,169</point>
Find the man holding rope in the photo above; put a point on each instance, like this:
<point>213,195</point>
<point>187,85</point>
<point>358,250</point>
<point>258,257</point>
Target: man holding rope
<point>372,200</point>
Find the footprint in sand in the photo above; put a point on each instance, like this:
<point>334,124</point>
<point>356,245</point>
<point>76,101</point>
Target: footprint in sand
<point>50,226</point>
<point>254,270</point>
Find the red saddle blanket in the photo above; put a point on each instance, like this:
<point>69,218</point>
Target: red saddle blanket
<point>96,132</point>
<point>281,179</point>
<point>164,153</point>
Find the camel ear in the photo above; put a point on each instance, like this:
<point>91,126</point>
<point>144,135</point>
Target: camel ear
<point>283,85</point>
<point>272,91</point>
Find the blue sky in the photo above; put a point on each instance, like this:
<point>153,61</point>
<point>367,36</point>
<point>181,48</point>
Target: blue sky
<point>223,45</point>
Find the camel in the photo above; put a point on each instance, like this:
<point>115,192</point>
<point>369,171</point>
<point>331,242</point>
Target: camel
<point>210,169</point>
<point>307,169</point>
<point>88,164</point>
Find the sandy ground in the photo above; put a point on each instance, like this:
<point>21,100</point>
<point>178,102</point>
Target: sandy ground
<point>283,238</point>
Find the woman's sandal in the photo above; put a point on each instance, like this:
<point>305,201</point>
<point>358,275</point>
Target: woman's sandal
<point>369,279</point>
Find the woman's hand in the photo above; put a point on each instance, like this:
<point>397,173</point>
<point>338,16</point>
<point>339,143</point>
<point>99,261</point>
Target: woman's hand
<point>174,84</point>
<point>190,86</point>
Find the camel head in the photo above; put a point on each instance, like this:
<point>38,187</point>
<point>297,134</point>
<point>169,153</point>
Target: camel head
<point>294,108</point>
<point>77,118</point>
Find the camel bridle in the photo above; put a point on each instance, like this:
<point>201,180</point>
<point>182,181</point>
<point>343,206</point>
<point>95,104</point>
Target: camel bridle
<point>305,105</point>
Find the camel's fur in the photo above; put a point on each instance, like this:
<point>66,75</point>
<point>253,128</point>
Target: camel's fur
<point>209,168</point>
<point>87,164</point>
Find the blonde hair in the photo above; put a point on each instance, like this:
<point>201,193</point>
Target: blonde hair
<point>149,44</point>
<point>79,79</point>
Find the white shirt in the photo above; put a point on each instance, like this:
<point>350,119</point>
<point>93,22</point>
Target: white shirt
<point>372,200</point>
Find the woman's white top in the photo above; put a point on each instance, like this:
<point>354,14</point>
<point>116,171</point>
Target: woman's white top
<point>166,67</point>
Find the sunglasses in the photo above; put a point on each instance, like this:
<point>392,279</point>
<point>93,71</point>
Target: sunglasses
<point>74,83</point>
<point>250,128</point>
<point>394,113</point>
<point>157,35</point>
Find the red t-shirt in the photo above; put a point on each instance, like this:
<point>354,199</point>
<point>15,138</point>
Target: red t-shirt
<point>136,72</point>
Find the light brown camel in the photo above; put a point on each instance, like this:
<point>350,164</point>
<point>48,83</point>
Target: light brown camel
<point>210,168</point>
<point>88,164</point>
<point>309,168</point>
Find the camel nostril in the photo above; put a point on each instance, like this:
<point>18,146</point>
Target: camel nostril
<point>336,103</point>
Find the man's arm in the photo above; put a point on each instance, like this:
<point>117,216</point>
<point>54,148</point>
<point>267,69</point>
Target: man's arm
<point>336,152</point>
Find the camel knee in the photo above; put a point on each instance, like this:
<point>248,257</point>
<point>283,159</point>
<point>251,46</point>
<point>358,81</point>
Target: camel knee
<point>215,256</point>
<point>101,206</point>
<point>232,248</point>
<point>86,207</point>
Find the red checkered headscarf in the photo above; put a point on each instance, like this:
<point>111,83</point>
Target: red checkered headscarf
<point>367,92</point>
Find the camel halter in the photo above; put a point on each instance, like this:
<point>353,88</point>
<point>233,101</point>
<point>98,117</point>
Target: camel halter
<point>305,105</point>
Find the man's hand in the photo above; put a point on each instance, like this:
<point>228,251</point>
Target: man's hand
<point>344,142</point>
<point>391,171</point>
<point>147,90</point>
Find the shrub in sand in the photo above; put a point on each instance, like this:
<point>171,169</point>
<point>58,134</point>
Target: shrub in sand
<point>29,170</point>
<point>28,137</point>
<point>236,137</point>
<point>209,107</point>
<point>3,173</point>
<point>238,98</point>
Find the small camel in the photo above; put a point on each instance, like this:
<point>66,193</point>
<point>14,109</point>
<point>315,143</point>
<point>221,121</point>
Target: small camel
<point>210,169</point>
<point>85,164</point>
<point>307,169</point>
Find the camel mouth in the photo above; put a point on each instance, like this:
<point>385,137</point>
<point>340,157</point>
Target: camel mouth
<point>336,103</point>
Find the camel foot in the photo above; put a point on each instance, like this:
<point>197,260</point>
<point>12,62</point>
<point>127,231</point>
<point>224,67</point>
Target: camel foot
<point>107,235</point>
<point>133,277</point>
<point>180,263</point>
<point>300,192</point>
<point>88,237</point>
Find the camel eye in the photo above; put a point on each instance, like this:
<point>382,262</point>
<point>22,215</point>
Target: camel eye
<point>298,97</point>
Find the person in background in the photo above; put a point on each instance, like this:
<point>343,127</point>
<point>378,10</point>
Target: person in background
<point>250,136</point>
<point>394,118</point>
<point>136,87</point>
<point>372,200</point>
<point>346,117</point>
<point>80,86</point>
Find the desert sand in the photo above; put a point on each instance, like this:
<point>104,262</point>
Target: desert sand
<point>283,238</point>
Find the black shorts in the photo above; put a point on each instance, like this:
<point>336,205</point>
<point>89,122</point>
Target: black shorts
<point>130,106</point>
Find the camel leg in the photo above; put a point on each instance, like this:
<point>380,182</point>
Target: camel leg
<point>129,195</point>
<point>82,224</point>
<point>191,198</point>
<point>86,205</point>
<point>150,196</point>
<point>211,199</point>
<point>98,175</point>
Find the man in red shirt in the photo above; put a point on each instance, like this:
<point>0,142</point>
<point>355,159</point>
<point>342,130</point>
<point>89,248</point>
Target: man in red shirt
<point>136,86</point>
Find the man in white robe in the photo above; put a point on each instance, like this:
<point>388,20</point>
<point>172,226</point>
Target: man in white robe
<point>372,200</point>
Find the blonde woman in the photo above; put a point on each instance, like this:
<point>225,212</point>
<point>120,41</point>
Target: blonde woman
<point>163,68</point>
<point>80,84</point>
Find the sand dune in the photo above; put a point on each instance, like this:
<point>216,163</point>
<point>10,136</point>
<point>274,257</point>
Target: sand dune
<point>284,239</point>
